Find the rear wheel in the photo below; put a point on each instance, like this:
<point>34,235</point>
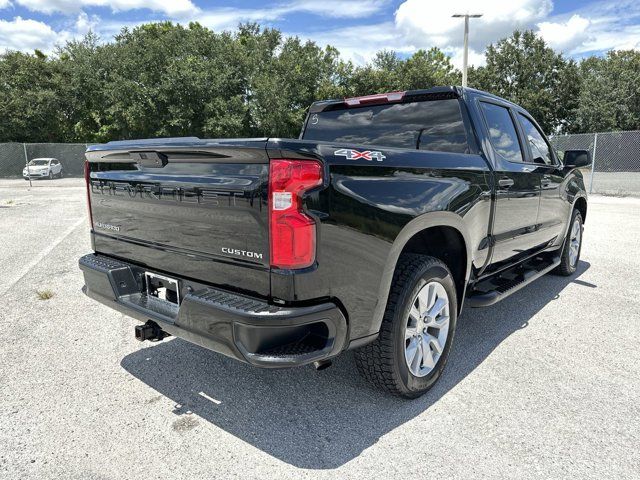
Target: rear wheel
<point>417,329</point>
<point>572,247</point>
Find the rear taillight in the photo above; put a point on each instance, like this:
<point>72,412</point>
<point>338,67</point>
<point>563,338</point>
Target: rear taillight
<point>87,179</point>
<point>292,231</point>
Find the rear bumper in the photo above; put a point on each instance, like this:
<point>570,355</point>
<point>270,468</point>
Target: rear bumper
<point>241,327</point>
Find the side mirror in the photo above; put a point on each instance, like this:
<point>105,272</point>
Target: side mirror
<point>577,158</point>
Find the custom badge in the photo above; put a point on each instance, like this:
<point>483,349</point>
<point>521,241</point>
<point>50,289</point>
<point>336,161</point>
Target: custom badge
<point>356,155</point>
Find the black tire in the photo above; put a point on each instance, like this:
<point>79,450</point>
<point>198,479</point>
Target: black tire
<point>50,175</point>
<point>60,174</point>
<point>382,362</point>
<point>566,267</point>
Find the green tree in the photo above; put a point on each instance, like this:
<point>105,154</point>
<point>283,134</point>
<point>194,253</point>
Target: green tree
<point>30,106</point>
<point>81,87</point>
<point>284,87</point>
<point>381,75</point>
<point>428,68</point>
<point>523,69</point>
<point>610,94</point>
<point>164,79</point>
<point>168,80</point>
<point>388,72</point>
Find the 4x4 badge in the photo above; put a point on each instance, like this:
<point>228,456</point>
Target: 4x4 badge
<point>356,155</point>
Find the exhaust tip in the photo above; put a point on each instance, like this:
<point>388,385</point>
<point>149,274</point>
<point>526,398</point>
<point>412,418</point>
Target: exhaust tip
<point>322,364</point>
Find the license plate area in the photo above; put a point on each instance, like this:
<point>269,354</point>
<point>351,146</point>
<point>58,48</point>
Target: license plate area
<point>163,288</point>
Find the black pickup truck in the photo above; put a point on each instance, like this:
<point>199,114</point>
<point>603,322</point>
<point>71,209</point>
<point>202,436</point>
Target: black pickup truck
<point>369,232</point>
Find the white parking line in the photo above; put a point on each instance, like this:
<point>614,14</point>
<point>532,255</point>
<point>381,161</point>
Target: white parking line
<point>211,399</point>
<point>38,258</point>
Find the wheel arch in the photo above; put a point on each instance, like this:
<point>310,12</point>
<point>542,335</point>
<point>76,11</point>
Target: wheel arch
<point>579,202</point>
<point>581,205</point>
<point>438,234</point>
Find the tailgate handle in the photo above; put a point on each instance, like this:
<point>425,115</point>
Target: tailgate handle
<point>149,159</point>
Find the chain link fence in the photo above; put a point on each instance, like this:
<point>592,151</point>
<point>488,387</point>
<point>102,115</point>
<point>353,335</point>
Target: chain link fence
<point>15,156</point>
<point>615,169</point>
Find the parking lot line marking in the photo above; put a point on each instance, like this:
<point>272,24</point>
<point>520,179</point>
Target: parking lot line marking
<point>204,395</point>
<point>38,258</point>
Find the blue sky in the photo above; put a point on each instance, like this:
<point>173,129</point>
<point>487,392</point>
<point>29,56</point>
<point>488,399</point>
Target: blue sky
<point>358,28</point>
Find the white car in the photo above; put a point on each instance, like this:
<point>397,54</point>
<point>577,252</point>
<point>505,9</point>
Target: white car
<point>42,168</point>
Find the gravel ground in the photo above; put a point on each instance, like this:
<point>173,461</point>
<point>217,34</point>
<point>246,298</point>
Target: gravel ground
<point>543,385</point>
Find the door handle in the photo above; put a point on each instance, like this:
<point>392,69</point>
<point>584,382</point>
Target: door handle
<point>506,182</point>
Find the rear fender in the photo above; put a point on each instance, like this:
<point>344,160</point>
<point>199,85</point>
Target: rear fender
<point>428,220</point>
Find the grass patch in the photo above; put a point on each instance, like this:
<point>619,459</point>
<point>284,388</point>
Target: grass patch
<point>10,202</point>
<point>44,294</point>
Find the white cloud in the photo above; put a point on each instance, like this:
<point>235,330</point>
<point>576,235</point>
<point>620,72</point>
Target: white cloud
<point>4,4</point>
<point>84,23</point>
<point>338,8</point>
<point>170,7</point>
<point>229,18</point>
<point>218,16</point>
<point>25,34</point>
<point>428,23</point>
<point>565,36</point>
<point>361,42</point>
<point>604,39</point>
<point>475,58</point>
<point>424,24</point>
<point>595,27</point>
<point>224,18</point>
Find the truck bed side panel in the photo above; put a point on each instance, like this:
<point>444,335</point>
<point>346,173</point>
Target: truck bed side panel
<point>366,207</point>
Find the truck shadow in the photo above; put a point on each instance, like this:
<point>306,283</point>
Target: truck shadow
<point>321,420</point>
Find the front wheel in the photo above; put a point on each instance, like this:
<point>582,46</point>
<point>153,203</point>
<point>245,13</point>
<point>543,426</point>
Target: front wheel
<point>572,247</point>
<point>417,329</point>
<point>50,175</point>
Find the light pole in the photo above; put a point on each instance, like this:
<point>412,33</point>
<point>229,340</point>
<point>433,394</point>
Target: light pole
<point>465,55</point>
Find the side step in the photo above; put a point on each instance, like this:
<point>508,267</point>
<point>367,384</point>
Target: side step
<point>497,288</point>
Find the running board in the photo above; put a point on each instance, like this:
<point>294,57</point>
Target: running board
<point>495,289</point>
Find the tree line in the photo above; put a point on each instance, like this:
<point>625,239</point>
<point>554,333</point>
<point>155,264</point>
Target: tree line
<point>163,79</point>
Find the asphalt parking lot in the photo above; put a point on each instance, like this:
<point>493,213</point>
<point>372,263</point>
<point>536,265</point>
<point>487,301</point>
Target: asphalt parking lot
<point>543,385</point>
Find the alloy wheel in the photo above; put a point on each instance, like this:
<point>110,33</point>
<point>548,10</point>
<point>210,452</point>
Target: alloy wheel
<point>427,329</point>
<point>574,241</point>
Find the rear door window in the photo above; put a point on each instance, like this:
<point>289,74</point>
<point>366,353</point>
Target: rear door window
<point>502,131</point>
<point>427,125</point>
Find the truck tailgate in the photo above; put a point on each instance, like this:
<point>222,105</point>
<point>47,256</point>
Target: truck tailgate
<point>190,207</point>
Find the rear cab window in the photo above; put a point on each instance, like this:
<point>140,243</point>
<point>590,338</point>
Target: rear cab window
<point>435,125</point>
